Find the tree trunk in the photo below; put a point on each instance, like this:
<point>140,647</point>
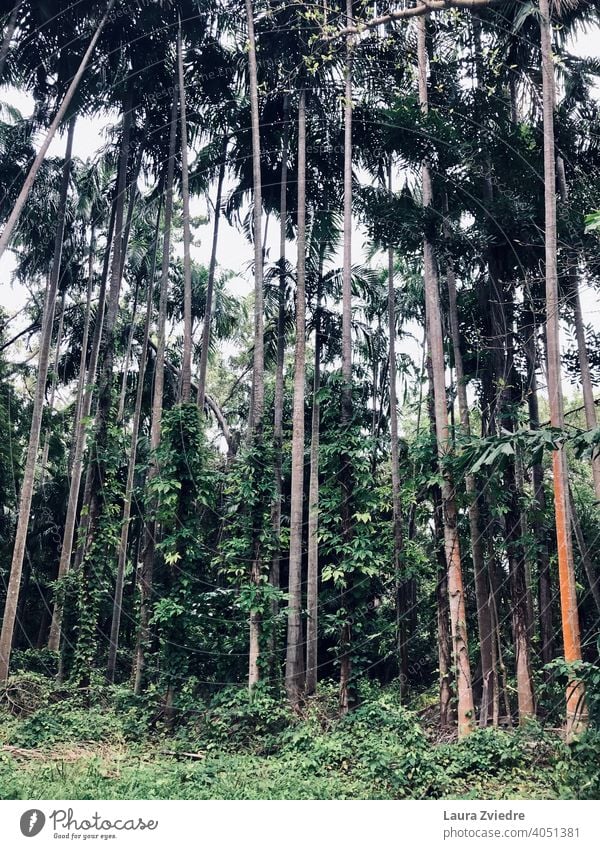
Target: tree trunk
<point>258,373</point>
<point>443,614</point>
<point>401,637</point>
<point>576,709</point>
<point>130,208</point>
<point>85,392</point>
<point>434,326</point>
<point>186,362</point>
<point>278,394</point>
<point>59,335</point>
<point>539,501</point>
<point>294,664</point>
<point>35,166</point>
<point>479,566</point>
<point>205,348</point>
<point>346,412</point>
<point>95,479</point>
<point>312,578</point>
<point>14,581</point>
<point>149,543</point>
<point>128,350</point>
<point>137,414</point>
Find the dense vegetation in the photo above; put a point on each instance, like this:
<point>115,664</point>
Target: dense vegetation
<point>290,529</point>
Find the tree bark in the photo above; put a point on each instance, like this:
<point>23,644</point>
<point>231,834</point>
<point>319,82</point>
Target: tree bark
<point>346,696</point>
<point>294,665</point>
<point>539,501</point>
<point>473,495</point>
<point>434,326</point>
<point>59,335</point>
<point>312,578</point>
<point>258,372</point>
<point>149,543</point>
<point>85,392</point>
<point>14,581</point>
<point>397,534</point>
<point>186,362</point>
<point>278,393</point>
<point>576,708</point>
<point>137,414</point>
<point>205,347</point>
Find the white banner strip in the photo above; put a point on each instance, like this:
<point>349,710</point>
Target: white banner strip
<point>301,825</point>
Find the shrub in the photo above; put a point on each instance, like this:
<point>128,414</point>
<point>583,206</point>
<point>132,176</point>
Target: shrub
<point>380,742</point>
<point>577,773</point>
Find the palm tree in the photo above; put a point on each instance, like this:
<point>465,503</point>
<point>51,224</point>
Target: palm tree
<point>294,666</point>
<point>149,543</point>
<point>135,428</point>
<point>258,376</point>
<point>14,582</point>
<point>450,514</point>
<point>58,118</point>
<point>576,705</point>
<point>186,365</point>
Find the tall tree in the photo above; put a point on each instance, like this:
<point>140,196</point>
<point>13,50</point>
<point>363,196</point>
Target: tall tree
<point>294,668</point>
<point>16,568</point>
<point>576,705</point>
<point>450,514</point>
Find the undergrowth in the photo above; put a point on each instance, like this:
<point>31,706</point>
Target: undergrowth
<point>104,743</point>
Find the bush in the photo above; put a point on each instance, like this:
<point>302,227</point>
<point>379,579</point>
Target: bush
<point>236,721</point>
<point>577,773</point>
<point>379,742</point>
<point>488,751</point>
<point>63,724</point>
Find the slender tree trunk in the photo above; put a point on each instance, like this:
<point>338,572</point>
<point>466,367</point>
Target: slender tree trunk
<point>210,283</point>
<point>84,348</point>
<point>312,578</point>
<point>128,350</point>
<point>396,486</point>
<point>149,543</point>
<point>14,581</point>
<point>576,719</point>
<point>477,553</point>
<point>539,502</point>
<point>130,208</point>
<point>346,413</point>
<point>444,636</point>
<point>278,394</point>
<point>85,390</point>
<point>96,474</point>
<point>137,414</point>
<point>434,324</point>
<point>35,166</point>
<point>258,373</point>
<point>59,336</point>
<point>186,363</point>
<point>294,665</point>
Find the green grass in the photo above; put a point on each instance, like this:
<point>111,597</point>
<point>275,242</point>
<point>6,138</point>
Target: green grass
<point>146,774</point>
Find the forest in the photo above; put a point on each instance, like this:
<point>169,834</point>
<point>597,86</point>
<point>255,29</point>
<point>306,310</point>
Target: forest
<point>299,456</point>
